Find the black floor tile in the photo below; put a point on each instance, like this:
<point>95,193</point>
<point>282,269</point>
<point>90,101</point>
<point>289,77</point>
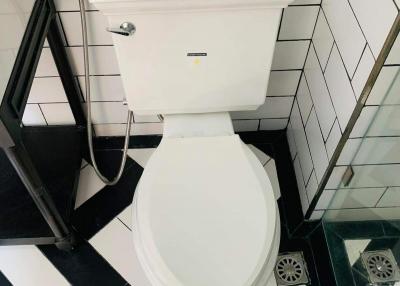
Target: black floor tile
<point>391,228</point>
<point>83,266</point>
<point>322,259</point>
<point>4,281</point>
<point>339,257</point>
<point>357,229</point>
<point>105,205</point>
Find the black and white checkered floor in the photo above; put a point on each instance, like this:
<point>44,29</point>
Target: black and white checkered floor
<point>106,255</point>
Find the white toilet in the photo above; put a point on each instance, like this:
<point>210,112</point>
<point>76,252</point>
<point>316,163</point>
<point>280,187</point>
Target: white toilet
<point>204,210</point>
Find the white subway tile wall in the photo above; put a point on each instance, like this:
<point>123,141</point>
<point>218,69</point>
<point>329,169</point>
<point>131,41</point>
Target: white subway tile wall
<point>348,36</point>
<point>335,43</point>
<point>109,113</point>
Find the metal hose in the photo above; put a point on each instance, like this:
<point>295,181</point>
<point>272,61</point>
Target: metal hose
<point>89,110</point>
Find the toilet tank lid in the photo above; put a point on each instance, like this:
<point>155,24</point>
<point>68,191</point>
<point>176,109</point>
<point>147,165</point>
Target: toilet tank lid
<point>151,6</point>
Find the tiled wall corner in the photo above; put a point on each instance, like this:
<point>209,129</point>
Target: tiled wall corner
<point>347,39</point>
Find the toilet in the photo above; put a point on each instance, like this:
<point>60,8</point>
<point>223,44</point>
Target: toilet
<point>204,213</point>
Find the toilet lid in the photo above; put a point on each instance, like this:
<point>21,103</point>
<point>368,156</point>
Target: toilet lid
<point>203,217</point>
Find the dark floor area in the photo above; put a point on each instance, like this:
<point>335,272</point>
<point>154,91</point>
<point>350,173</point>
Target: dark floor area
<point>346,242</point>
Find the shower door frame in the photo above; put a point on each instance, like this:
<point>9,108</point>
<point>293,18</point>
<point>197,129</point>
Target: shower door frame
<point>42,24</point>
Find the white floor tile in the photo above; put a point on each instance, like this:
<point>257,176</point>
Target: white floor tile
<point>270,168</point>
<point>89,185</point>
<point>362,73</point>
<point>298,22</point>
<point>264,158</point>
<point>126,216</point>
<point>27,266</point>
<point>376,18</point>
<point>283,83</point>
<point>141,155</point>
<point>346,31</point>
<point>273,124</point>
<point>317,146</point>
<point>354,247</point>
<point>340,89</point>
<point>290,55</point>
<point>319,93</point>
<point>322,39</point>
<point>115,243</point>
<point>58,113</point>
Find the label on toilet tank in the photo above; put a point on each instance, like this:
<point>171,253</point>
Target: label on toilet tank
<point>196,54</point>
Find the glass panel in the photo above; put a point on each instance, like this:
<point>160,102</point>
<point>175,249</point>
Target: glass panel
<point>14,16</point>
<point>371,160</point>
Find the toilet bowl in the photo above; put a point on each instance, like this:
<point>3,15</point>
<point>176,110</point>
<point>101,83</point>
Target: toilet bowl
<point>204,209</point>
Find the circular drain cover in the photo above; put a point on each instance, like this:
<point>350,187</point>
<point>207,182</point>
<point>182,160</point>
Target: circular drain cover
<point>289,269</point>
<point>380,266</point>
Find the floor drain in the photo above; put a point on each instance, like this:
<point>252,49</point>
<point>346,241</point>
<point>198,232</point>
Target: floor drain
<point>290,269</point>
<point>381,266</point>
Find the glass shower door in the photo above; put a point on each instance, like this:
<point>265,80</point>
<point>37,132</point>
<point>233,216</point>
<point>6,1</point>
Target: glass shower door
<point>371,157</point>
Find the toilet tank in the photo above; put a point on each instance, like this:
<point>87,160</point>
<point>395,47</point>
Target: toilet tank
<point>194,56</point>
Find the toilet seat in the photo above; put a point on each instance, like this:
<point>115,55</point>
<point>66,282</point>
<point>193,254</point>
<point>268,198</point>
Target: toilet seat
<point>203,216</point>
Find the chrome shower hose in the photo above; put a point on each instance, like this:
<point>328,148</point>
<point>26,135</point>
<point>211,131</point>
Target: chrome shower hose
<point>89,110</point>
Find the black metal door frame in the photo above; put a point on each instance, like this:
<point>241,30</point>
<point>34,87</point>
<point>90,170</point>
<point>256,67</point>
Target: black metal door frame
<point>42,23</point>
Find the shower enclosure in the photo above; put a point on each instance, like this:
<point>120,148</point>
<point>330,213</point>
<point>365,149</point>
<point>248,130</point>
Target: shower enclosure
<point>361,219</point>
